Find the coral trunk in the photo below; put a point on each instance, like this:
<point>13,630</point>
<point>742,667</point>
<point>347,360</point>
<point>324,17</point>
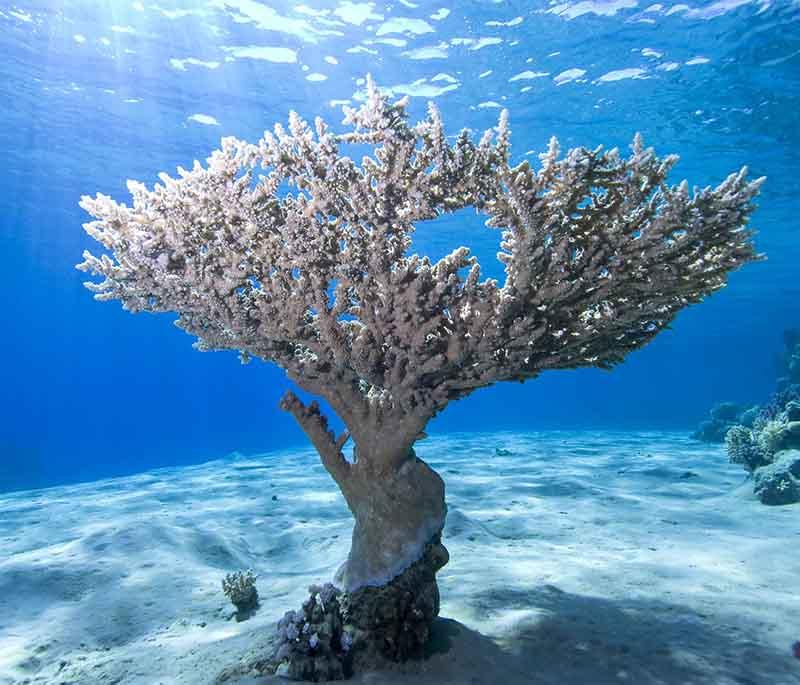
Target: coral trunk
<point>397,511</point>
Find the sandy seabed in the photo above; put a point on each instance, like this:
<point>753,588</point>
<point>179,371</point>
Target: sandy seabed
<point>580,558</point>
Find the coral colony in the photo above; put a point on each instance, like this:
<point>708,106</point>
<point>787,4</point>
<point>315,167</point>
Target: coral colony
<point>765,439</point>
<point>240,588</point>
<point>600,254</point>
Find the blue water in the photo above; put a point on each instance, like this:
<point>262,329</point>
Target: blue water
<point>93,94</point>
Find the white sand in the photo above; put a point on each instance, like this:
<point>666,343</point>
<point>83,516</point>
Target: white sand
<point>582,559</point>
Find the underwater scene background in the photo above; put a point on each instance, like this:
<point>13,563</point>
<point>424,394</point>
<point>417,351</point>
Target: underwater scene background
<point>147,490</point>
<point>93,94</point>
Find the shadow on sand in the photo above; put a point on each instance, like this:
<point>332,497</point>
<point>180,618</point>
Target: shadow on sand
<point>565,639</point>
<point>568,639</point>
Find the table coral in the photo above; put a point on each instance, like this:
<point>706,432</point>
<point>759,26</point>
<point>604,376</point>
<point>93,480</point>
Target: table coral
<point>600,253</point>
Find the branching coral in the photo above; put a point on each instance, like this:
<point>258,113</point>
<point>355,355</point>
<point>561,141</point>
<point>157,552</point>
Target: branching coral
<point>745,448</point>
<point>770,450</point>
<point>240,588</point>
<point>600,254</point>
<point>756,448</point>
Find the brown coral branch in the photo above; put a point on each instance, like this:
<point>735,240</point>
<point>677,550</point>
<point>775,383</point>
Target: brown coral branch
<point>315,426</point>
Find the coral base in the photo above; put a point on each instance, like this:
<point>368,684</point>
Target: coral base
<point>338,633</point>
<point>393,622</point>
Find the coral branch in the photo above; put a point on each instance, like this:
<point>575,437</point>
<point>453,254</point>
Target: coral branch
<point>315,426</point>
<point>341,441</point>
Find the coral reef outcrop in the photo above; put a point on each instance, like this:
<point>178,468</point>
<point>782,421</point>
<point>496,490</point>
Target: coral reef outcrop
<point>779,481</point>
<point>722,418</point>
<point>769,446</point>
